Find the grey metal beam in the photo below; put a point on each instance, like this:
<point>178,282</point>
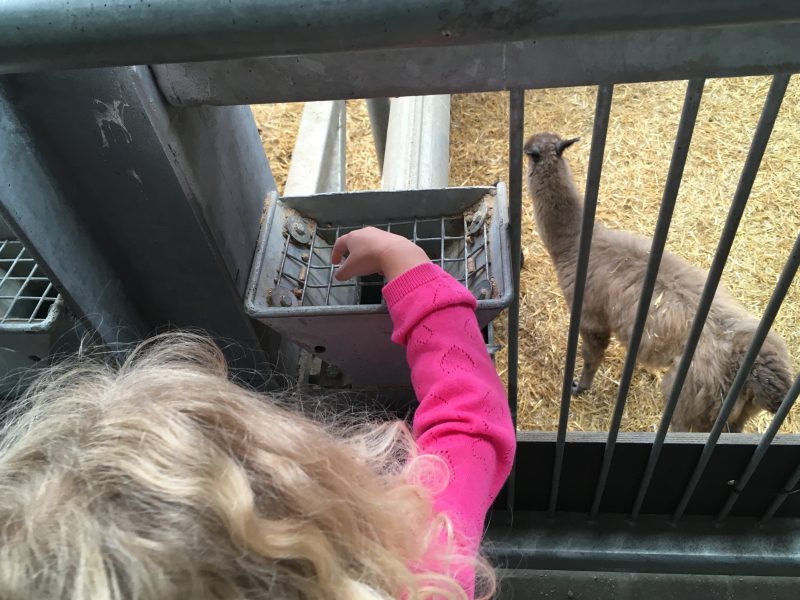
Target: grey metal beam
<point>417,143</point>
<point>516,584</point>
<point>650,545</point>
<point>59,34</point>
<point>171,197</point>
<point>33,202</point>
<point>755,49</point>
<point>318,159</point>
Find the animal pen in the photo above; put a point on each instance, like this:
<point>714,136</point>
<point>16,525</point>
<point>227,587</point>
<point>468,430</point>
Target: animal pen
<point>132,175</point>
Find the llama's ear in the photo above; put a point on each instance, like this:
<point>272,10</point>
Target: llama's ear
<point>562,145</point>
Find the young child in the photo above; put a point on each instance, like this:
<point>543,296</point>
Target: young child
<point>162,479</point>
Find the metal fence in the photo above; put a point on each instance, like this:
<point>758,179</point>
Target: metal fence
<point>589,502</point>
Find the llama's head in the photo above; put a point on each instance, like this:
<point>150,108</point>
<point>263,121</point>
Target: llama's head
<point>545,150</point>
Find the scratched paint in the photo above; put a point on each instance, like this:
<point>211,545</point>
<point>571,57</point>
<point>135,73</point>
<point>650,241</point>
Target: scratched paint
<point>110,122</point>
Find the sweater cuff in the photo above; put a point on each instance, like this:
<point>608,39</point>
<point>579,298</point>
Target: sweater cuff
<point>412,279</point>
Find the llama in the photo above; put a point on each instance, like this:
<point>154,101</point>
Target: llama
<point>617,265</point>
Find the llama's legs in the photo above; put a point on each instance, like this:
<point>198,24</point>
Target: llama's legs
<point>593,349</point>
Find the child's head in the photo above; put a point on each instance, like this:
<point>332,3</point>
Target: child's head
<point>162,479</point>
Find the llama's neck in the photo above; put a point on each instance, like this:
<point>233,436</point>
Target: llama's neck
<point>558,210</point>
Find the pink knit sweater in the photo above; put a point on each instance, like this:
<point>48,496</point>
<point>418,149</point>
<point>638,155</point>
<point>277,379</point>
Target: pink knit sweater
<point>463,415</point>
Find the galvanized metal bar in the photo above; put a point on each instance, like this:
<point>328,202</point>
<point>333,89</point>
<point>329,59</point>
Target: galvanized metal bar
<point>330,277</point>
<point>691,104</point>
<point>761,449</point>
<point>378,109</point>
<point>649,546</point>
<point>757,148</point>
<point>622,57</point>
<point>60,34</point>
<point>742,194</point>
<point>602,111</point>
<point>318,160</point>
<point>418,143</point>
<point>788,489</point>
<point>308,274</point>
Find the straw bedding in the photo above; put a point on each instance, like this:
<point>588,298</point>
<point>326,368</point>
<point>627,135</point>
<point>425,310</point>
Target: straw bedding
<point>643,123</point>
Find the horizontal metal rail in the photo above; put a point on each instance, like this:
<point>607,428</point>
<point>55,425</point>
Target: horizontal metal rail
<point>691,105</point>
<point>58,34</point>
<point>602,112</point>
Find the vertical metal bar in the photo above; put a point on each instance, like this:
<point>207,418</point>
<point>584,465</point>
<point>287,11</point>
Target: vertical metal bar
<point>283,259</point>
<point>516,123</point>
<point>691,104</point>
<point>466,254</point>
<point>308,267</point>
<point>41,301</point>
<point>330,275</point>
<point>441,254</point>
<point>761,449</point>
<point>602,111</point>
<point>378,109</point>
<point>767,319</point>
<point>780,498</point>
<point>488,268</point>
<point>757,147</point>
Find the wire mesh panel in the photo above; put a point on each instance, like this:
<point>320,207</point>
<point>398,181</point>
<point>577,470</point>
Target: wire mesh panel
<point>294,290</point>
<point>459,245</point>
<point>28,300</point>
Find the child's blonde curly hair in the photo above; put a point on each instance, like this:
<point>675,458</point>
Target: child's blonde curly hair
<point>163,479</point>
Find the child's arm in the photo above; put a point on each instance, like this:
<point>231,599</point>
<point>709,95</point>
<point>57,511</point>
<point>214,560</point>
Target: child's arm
<point>463,414</point>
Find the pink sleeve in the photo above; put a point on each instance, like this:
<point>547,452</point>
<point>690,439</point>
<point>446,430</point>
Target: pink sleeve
<point>463,415</point>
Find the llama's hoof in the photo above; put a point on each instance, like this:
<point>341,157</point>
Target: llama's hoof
<point>577,388</point>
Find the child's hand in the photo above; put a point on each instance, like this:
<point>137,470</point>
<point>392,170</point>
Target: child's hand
<point>372,250</point>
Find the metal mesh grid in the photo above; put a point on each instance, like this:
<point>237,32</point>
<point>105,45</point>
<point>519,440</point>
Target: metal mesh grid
<point>306,268</point>
<point>27,297</point>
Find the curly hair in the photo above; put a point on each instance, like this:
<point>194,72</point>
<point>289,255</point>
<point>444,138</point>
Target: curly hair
<point>161,478</point>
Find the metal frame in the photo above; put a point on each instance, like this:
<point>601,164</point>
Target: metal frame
<point>64,34</point>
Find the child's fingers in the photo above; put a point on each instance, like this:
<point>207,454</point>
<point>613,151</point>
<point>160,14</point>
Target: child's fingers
<point>345,270</point>
<point>339,248</point>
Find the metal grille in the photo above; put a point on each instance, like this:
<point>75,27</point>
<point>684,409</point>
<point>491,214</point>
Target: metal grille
<point>458,244</point>
<point>749,171</point>
<point>28,300</point>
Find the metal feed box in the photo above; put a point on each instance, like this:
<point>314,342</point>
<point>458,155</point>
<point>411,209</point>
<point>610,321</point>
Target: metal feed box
<point>293,291</point>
